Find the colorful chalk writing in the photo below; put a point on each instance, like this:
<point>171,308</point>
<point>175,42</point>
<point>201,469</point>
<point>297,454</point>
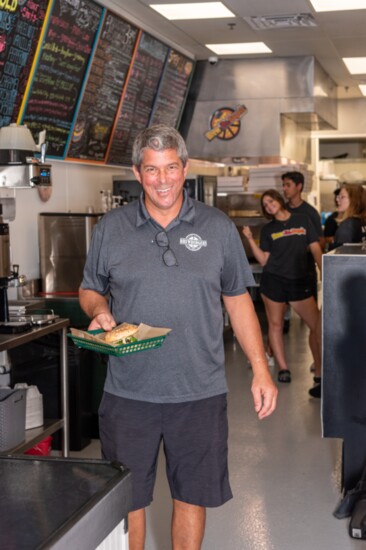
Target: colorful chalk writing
<point>61,68</point>
<point>138,98</point>
<point>20,27</point>
<point>103,89</point>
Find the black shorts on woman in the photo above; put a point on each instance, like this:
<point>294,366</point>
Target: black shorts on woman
<point>280,289</point>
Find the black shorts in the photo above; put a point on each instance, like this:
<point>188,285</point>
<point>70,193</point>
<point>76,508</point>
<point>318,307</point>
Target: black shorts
<point>280,289</point>
<point>194,435</point>
<point>313,278</point>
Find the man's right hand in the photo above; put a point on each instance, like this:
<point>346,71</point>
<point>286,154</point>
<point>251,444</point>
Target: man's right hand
<point>96,308</point>
<point>104,321</point>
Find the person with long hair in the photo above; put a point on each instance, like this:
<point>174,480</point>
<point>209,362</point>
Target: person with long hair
<point>331,223</point>
<point>283,248</point>
<point>351,206</point>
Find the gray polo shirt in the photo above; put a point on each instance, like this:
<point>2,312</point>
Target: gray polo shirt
<point>125,261</point>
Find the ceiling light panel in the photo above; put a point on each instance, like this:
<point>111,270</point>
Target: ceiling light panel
<point>267,22</point>
<point>199,10</point>
<point>338,5</point>
<point>355,65</point>
<point>239,48</point>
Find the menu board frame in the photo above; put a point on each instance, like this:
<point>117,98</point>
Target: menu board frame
<point>21,27</point>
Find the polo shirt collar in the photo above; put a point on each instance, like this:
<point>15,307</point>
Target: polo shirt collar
<point>186,214</point>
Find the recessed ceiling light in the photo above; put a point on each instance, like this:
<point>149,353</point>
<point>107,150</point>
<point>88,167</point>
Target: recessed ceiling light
<point>355,65</point>
<point>363,88</point>
<point>338,5</point>
<point>240,48</point>
<point>199,10</point>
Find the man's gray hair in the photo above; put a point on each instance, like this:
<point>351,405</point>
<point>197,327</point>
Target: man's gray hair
<point>158,138</point>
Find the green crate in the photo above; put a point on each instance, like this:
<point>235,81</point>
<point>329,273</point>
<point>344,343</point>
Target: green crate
<point>117,351</point>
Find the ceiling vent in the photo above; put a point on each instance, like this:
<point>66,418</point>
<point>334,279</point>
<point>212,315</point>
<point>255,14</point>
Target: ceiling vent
<point>267,22</point>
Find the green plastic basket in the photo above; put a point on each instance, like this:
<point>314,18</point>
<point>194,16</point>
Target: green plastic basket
<point>117,351</point>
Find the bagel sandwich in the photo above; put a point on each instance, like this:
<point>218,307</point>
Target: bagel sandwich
<point>121,334</point>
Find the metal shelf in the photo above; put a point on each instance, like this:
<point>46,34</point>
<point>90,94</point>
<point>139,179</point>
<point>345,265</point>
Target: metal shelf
<point>35,435</point>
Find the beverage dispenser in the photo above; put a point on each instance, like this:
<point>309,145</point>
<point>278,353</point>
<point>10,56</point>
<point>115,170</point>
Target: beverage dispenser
<point>19,166</point>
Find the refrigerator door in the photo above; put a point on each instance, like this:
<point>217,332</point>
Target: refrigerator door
<point>63,245</point>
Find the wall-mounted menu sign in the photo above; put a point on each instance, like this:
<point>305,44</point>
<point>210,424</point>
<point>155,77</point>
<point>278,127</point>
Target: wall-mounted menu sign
<point>173,89</point>
<point>138,97</point>
<point>60,71</point>
<point>103,90</point>
<point>20,27</point>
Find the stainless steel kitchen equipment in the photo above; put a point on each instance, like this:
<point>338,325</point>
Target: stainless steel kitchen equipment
<point>8,276</point>
<point>202,188</point>
<point>18,165</point>
<point>57,498</point>
<point>63,245</point>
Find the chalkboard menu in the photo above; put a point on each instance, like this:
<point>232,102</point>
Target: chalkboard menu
<point>20,27</point>
<point>103,90</point>
<point>173,90</point>
<point>138,97</point>
<point>60,71</point>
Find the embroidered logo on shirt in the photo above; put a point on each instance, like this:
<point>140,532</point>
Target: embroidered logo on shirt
<point>289,233</point>
<point>193,242</point>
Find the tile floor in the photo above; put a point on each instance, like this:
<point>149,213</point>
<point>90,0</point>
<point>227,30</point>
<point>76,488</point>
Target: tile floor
<point>285,477</point>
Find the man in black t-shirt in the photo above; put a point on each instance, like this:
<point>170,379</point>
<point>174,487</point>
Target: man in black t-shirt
<point>293,186</point>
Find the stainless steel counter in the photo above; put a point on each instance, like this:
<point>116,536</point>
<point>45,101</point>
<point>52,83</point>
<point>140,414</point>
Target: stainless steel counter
<point>61,504</point>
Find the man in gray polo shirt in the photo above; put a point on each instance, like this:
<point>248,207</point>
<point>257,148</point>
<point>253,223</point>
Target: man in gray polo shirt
<point>167,260</point>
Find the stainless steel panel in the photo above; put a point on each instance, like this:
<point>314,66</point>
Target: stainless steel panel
<point>293,86</point>
<point>255,78</point>
<point>15,176</point>
<point>64,242</point>
<point>259,134</point>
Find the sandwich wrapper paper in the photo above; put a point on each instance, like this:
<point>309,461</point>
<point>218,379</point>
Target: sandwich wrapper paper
<point>144,332</point>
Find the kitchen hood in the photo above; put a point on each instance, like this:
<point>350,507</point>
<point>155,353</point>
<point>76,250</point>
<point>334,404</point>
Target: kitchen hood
<point>253,111</point>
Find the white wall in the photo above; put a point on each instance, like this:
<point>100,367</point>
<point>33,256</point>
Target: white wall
<point>351,124</point>
<point>74,187</point>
